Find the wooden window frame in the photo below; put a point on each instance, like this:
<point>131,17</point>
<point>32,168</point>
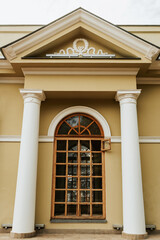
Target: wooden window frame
<point>78,203</point>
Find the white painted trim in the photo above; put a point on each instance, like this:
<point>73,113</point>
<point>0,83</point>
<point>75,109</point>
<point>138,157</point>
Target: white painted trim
<point>13,80</point>
<point>46,139</point>
<point>79,109</point>
<point>50,139</point>
<point>89,19</point>
<point>10,138</point>
<point>81,71</point>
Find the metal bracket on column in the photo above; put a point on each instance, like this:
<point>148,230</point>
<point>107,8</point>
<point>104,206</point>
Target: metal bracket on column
<point>105,142</point>
<point>37,226</point>
<point>118,227</point>
<point>150,227</point>
<point>7,225</point>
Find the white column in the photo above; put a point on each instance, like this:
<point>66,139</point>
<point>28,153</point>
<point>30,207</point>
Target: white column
<point>24,209</point>
<point>133,206</point>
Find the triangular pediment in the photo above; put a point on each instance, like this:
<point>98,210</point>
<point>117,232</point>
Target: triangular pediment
<point>82,45</point>
<point>104,40</point>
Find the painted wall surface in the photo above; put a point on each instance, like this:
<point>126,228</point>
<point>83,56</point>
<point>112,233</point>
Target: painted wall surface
<point>80,83</point>
<point>11,110</point>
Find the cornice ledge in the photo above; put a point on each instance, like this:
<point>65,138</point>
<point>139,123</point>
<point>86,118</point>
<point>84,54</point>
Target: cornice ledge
<point>141,46</point>
<point>81,71</point>
<point>144,80</point>
<point>12,80</point>
<point>4,64</point>
<point>81,16</point>
<point>41,35</point>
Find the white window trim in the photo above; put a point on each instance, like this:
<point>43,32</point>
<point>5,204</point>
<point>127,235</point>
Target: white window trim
<point>79,109</point>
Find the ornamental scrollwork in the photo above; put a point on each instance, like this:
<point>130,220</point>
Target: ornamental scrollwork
<point>82,50</point>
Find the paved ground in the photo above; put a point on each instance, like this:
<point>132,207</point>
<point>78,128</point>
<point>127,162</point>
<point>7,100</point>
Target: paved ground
<point>6,236</point>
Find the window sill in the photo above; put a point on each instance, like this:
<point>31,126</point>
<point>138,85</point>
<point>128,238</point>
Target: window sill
<point>78,220</point>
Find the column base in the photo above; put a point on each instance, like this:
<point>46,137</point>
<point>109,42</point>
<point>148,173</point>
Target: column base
<point>134,236</point>
<point>22,235</point>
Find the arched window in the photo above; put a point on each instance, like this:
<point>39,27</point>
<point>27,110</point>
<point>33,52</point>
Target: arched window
<point>78,169</point>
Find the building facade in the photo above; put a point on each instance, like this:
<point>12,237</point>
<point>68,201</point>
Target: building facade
<point>80,132</point>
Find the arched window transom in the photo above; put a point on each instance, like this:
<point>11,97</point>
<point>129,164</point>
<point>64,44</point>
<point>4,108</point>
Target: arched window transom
<point>79,125</point>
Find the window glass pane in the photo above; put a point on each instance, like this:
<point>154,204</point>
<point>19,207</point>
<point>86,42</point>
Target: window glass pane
<point>59,196</point>
<point>72,157</point>
<point>60,182</point>
<point>97,196</point>
<point>94,129</point>
<point>73,132</point>
<point>96,145</point>
<point>85,196</point>
<point>85,132</point>
<point>85,170</point>
<point>64,129</point>
<point>72,182</point>
<point>97,183</point>
<point>59,209</point>
<point>61,145</point>
<point>72,145</point>
<point>72,196</point>
<point>85,210</point>
<point>85,183</point>
<point>61,157</point>
<point>85,121</point>
<point>97,209</point>
<point>85,145</point>
<point>85,157</point>
<point>73,121</point>
<point>61,170</point>
<point>96,157</point>
<point>97,170</point>
<point>71,209</point>
<point>72,170</point>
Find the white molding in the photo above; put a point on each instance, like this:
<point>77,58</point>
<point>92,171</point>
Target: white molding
<point>81,71</point>
<point>89,19</point>
<point>29,95</point>
<point>79,109</point>
<point>10,138</point>
<point>148,80</point>
<point>149,139</point>
<point>46,139</point>
<point>13,80</point>
<point>50,139</point>
<point>127,96</point>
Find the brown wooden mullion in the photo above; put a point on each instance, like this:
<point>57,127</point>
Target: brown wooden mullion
<point>87,127</point>
<point>91,214</point>
<point>78,164</point>
<point>72,128</point>
<point>66,178</point>
<point>54,179</point>
<point>78,174</point>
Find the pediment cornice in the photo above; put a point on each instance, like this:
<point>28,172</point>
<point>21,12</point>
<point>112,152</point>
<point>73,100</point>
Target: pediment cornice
<point>80,16</point>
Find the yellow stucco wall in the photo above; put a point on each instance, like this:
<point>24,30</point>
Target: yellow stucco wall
<point>80,83</point>
<point>11,119</point>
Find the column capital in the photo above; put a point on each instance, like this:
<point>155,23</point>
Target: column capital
<point>30,94</point>
<point>127,96</point>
